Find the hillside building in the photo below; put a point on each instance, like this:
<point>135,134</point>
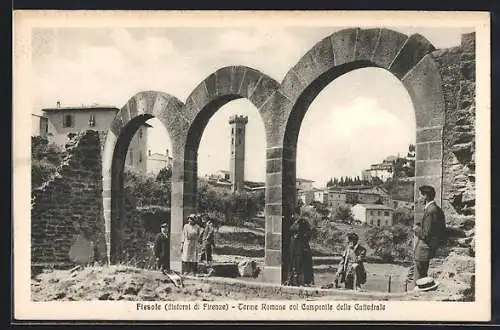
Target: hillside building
<point>373,214</point>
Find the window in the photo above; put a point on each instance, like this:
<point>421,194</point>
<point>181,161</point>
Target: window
<point>387,222</point>
<point>386,213</point>
<point>140,157</point>
<point>92,121</point>
<point>140,133</point>
<point>232,130</point>
<point>379,213</point>
<point>239,130</point>
<point>68,121</point>
<point>378,222</point>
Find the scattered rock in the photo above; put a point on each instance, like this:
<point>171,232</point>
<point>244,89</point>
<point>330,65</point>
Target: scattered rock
<point>59,295</point>
<point>105,296</point>
<point>131,290</point>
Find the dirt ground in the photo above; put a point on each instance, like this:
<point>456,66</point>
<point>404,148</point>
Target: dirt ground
<point>128,283</point>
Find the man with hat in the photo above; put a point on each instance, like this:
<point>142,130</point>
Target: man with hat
<point>207,241</point>
<point>161,249</point>
<point>428,233</point>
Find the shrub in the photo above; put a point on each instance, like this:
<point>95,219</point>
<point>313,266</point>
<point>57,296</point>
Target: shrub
<point>45,158</point>
<point>146,189</point>
<point>390,243</point>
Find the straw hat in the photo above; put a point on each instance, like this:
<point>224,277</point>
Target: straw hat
<point>426,284</point>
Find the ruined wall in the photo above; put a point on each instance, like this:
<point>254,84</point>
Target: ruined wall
<point>67,222</point>
<point>66,212</point>
<point>457,67</point>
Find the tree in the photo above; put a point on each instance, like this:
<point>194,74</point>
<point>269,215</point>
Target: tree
<point>320,208</point>
<point>45,159</point>
<point>164,175</point>
<point>390,243</point>
<point>343,213</point>
<point>403,216</point>
<point>330,183</point>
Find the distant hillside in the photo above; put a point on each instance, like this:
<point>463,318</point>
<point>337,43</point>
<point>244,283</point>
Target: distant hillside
<point>402,189</point>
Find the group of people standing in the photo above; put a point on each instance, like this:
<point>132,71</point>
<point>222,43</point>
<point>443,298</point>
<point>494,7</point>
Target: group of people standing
<point>429,235</point>
<point>197,244</point>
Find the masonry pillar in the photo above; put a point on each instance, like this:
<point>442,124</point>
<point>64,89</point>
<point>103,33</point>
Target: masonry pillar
<point>183,203</point>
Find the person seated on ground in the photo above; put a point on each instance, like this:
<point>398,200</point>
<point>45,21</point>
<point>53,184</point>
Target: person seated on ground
<point>352,270</point>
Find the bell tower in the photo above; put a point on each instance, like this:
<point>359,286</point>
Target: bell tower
<point>237,160</point>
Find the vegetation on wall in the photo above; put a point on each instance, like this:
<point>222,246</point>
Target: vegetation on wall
<point>45,158</point>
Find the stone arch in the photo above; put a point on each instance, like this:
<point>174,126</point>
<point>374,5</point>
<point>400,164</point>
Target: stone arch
<point>224,85</point>
<point>133,114</point>
<point>407,58</point>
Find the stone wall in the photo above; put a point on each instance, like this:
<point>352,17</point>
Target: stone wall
<point>67,221</point>
<point>67,225</point>
<point>457,67</point>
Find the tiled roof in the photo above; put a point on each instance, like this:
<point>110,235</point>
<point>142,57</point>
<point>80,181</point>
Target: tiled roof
<point>375,206</point>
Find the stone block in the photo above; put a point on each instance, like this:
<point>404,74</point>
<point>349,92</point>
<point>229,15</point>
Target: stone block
<point>306,69</point>
<point>276,224</point>
<point>274,153</point>
<point>237,75</point>
<point>423,83</point>
<point>343,44</point>
<point>389,44</point>
<point>271,275</point>
<point>429,134</point>
<point>200,96</point>
<point>468,69</point>
<point>421,151</point>
<point>415,48</point>
<point>468,43</point>
<point>366,43</point>
<point>272,258</point>
<point>428,167</point>
<point>263,91</point>
<point>273,209</point>
<point>211,85</point>
<point>249,83</point>
<point>275,114</point>
<point>273,241</point>
<point>223,78</point>
<point>273,179</point>
<point>273,166</point>
<point>273,194</point>
<point>322,55</point>
<point>435,151</point>
<point>292,86</point>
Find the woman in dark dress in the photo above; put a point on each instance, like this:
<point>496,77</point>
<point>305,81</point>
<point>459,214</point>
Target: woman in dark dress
<point>300,267</point>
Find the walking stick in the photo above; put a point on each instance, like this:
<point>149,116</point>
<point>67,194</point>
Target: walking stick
<point>355,280</point>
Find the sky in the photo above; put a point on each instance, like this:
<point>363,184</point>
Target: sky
<point>357,120</point>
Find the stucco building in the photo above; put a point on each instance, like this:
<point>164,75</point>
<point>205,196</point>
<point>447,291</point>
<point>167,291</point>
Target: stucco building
<point>157,161</point>
<point>373,214</point>
<point>56,123</point>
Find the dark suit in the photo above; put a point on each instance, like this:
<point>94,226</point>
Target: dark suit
<point>162,251</point>
<point>428,235</point>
